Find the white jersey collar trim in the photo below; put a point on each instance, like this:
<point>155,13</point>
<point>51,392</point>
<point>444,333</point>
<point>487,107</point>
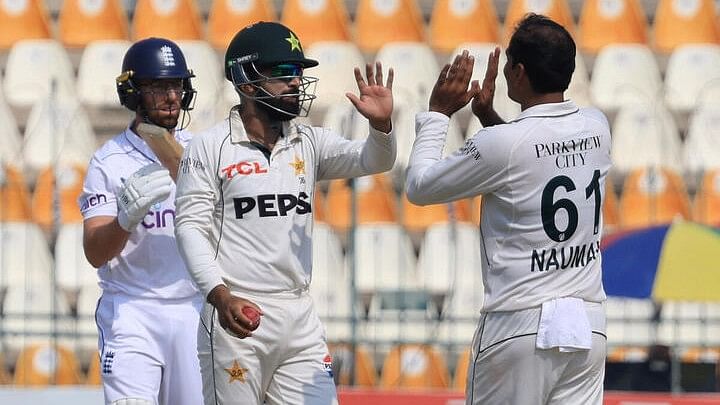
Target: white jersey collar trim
<point>549,110</point>
<point>238,133</point>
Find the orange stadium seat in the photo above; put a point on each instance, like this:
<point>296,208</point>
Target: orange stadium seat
<point>706,207</point>
<point>14,196</point>
<point>653,196</point>
<point>461,370</point>
<point>319,206</point>
<point>365,374</point>
<point>414,366</point>
<point>227,17</point>
<point>4,375</point>
<point>685,22</point>
<point>81,22</point>
<point>455,22</point>
<point>416,219</point>
<point>375,202</point>
<point>476,210</point>
<point>315,21</point>
<point>172,19</point>
<point>41,364</point>
<point>557,10</point>
<point>69,182</point>
<point>21,19</point>
<point>378,22</point>
<point>611,216</point>
<point>93,374</point>
<point>605,22</point>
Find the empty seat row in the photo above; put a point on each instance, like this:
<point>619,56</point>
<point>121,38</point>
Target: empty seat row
<point>376,21</point>
<point>642,323</point>
<point>623,75</point>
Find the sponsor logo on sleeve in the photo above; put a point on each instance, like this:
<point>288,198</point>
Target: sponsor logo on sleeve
<point>92,200</point>
<point>190,163</point>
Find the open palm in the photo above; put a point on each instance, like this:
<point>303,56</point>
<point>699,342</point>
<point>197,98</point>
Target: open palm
<point>375,101</point>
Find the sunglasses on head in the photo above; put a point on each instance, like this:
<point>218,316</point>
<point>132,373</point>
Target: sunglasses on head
<point>286,69</point>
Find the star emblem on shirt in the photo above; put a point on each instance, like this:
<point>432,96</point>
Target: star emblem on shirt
<point>294,42</point>
<point>236,372</point>
<point>299,166</point>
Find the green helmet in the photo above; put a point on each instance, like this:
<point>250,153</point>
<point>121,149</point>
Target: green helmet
<point>274,49</point>
<point>263,44</point>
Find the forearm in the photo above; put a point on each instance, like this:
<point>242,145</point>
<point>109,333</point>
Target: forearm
<point>103,239</point>
<point>199,258</point>
<point>489,118</point>
<point>340,158</point>
<point>379,152</point>
<point>430,178</point>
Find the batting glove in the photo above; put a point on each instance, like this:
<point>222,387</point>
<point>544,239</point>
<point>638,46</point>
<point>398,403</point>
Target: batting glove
<point>145,187</point>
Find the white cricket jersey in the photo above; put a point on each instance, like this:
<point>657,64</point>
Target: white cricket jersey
<point>246,220</point>
<point>149,264</point>
<point>542,179</point>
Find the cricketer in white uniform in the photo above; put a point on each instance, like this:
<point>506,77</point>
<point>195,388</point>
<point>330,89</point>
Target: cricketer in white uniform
<point>149,308</point>
<point>245,216</point>
<point>542,179</point>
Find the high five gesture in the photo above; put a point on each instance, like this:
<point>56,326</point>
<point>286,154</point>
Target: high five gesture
<point>376,101</point>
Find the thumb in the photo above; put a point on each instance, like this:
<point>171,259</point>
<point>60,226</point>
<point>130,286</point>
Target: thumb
<point>355,100</point>
<point>475,87</point>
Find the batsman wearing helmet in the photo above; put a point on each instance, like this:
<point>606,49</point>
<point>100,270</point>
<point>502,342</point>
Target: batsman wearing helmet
<point>245,215</point>
<point>149,307</point>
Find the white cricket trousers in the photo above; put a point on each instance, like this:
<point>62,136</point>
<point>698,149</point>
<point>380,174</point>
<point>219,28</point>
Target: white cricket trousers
<point>507,369</point>
<point>286,361</point>
<point>148,349</point>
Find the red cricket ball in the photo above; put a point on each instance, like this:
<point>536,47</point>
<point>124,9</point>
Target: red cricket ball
<point>253,315</point>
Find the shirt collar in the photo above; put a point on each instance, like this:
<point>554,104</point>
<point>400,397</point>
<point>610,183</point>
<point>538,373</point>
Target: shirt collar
<point>139,144</point>
<point>238,133</point>
<point>549,110</point>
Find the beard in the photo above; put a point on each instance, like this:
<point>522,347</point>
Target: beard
<point>166,118</point>
<point>289,107</point>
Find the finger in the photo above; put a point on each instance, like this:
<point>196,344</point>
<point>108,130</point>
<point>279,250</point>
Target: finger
<point>475,87</point>
<point>391,77</point>
<point>443,73</point>
<point>492,68</point>
<point>369,74</point>
<point>244,322</point>
<point>454,67</point>
<point>467,67</point>
<point>378,73</point>
<point>235,328</point>
<point>359,79</point>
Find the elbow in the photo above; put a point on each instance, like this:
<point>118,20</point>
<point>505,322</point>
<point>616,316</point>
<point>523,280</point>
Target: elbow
<point>95,260</point>
<point>414,195</point>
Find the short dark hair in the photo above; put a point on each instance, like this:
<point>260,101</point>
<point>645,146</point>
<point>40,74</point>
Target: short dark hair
<point>547,51</point>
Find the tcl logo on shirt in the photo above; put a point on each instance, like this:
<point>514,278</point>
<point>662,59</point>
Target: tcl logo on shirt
<point>243,169</point>
<point>272,205</point>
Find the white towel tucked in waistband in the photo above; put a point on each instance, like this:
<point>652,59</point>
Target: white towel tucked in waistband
<point>564,324</point>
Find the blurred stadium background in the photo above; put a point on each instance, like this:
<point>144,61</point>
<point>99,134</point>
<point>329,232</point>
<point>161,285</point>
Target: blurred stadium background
<point>398,283</point>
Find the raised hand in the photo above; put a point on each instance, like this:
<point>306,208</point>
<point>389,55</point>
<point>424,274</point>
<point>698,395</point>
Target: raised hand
<point>376,101</point>
<point>451,92</point>
<point>482,104</point>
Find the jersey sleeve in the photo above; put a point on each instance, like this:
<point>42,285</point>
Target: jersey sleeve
<point>480,166</point>
<point>338,157</point>
<point>195,198</point>
<point>98,194</point>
